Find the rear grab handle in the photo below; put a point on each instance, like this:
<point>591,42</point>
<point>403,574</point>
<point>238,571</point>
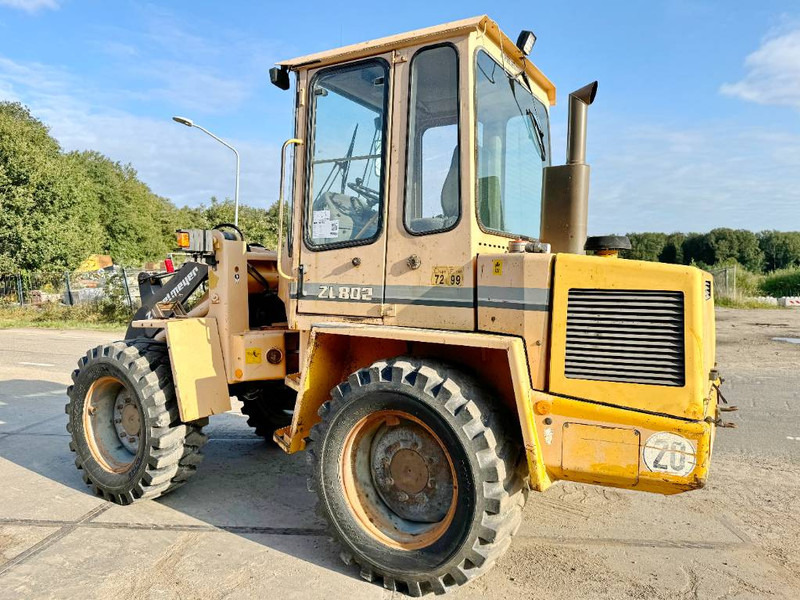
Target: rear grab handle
<point>286,144</point>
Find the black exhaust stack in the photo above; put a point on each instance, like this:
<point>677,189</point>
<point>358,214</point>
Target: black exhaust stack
<point>565,189</point>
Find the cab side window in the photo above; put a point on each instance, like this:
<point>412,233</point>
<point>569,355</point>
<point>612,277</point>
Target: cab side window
<point>433,198</point>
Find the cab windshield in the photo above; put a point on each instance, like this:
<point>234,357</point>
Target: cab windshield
<point>513,133</point>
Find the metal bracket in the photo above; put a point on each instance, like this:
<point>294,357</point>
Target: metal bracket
<point>301,278</point>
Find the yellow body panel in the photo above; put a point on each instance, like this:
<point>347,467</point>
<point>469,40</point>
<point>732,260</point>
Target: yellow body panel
<point>250,351</point>
<point>591,452</point>
<point>553,412</point>
<point>335,351</point>
<point>197,368</point>
<point>514,298</point>
<point>689,401</point>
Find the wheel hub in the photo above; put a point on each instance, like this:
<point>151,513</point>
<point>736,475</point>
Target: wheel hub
<point>127,421</point>
<point>411,472</point>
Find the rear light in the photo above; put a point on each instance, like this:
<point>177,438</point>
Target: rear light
<point>169,265</point>
<point>183,239</point>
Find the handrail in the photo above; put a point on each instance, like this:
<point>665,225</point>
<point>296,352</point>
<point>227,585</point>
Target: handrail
<point>286,144</point>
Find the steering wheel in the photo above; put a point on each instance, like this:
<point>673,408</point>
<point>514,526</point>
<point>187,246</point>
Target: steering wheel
<point>223,226</point>
<point>372,196</point>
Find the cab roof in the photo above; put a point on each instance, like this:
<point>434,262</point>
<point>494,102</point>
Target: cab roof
<point>481,23</point>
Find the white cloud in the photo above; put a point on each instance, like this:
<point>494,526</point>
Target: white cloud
<point>165,63</point>
<point>772,72</point>
<point>31,6</point>
<point>176,162</point>
<point>193,87</point>
<point>175,71</point>
<point>656,178</point>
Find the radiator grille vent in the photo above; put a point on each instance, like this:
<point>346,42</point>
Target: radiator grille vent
<point>630,336</point>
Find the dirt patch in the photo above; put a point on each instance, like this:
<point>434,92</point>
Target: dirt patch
<point>745,337</point>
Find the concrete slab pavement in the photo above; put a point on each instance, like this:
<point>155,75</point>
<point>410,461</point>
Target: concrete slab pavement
<point>244,526</point>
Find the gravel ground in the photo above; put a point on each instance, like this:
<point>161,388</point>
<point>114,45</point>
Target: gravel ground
<point>244,527</point>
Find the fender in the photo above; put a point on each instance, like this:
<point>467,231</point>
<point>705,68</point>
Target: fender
<point>337,350</point>
<point>198,369</point>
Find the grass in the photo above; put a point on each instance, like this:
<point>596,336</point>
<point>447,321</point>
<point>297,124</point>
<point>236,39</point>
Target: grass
<point>57,316</point>
<point>742,303</point>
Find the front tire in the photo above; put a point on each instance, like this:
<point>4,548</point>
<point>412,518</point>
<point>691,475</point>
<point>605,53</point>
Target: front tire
<point>416,476</point>
<point>123,417</point>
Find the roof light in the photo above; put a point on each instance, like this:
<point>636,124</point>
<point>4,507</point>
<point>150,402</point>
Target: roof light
<point>525,41</point>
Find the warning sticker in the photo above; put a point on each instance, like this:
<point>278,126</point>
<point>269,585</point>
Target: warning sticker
<point>323,226</point>
<point>252,356</point>
<point>449,276</point>
<point>669,453</point>
<point>497,267</point>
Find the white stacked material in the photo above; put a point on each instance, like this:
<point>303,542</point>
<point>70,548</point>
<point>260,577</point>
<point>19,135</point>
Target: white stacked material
<point>789,301</point>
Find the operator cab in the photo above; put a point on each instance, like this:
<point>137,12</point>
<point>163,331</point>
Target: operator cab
<point>412,155</point>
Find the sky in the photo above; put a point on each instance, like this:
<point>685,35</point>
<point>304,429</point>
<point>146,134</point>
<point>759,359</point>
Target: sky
<point>695,124</point>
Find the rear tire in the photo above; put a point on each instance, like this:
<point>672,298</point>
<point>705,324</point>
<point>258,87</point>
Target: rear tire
<point>123,417</point>
<point>268,407</point>
<point>416,475</point>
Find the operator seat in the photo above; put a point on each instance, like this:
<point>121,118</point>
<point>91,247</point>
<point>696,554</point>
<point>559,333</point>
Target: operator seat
<point>449,199</point>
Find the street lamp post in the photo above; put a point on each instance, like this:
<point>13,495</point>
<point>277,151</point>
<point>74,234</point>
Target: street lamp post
<point>190,123</point>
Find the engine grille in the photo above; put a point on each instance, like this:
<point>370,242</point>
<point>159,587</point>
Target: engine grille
<point>630,336</point>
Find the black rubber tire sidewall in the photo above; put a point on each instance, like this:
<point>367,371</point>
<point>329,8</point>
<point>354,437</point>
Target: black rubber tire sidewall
<point>117,483</point>
<point>360,403</point>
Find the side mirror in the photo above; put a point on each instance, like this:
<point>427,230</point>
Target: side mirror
<point>279,77</point>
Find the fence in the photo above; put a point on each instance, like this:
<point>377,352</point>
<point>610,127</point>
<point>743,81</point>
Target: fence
<point>725,282</point>
<point>117,285</point>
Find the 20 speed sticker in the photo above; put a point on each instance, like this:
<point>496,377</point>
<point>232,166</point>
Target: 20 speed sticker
<point>669,453</point>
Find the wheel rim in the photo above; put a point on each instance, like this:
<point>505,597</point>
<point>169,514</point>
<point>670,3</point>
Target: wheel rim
<point>399,479</point>
<point>112,420</point>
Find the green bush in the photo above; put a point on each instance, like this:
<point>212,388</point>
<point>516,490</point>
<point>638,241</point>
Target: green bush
<point>785,282</point>
<point>91,315</point>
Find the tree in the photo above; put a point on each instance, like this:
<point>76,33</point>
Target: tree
<point>47,210</point>
<point>781,249</point>
<point>646,246</point>
<point>673,249</point>
<point>723,245</point>
<point>138,224</point>
<point>737,244</point>
<point>257,224</point>
<point>696,249</point>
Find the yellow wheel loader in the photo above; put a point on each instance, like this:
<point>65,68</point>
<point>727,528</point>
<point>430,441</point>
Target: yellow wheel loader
<point>429,329</point>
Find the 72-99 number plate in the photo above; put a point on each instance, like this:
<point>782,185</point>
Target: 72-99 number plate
<point>449,276</point>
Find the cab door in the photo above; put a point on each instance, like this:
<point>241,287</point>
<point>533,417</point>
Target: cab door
<point>343,226</point>
<point>430,271</point>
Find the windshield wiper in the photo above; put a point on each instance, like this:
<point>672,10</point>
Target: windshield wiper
<point>537,135</point>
